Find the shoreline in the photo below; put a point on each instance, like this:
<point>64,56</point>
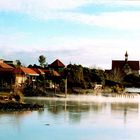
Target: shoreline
<point>12,106</point>
<point>90,98</point>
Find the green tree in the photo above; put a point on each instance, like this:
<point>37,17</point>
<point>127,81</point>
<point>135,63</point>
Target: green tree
<point>18,63</point>
<point>131,80</point>
<point>42,60</point>
<point>115,75</point>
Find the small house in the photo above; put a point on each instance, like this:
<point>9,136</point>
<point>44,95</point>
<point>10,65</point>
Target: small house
<point>57,65</point>
<point>22,74</point>
<point>6,75</point>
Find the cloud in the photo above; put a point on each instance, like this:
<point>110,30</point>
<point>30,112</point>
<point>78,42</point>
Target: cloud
<point>116,20</point>
<point>86,51</point>
<point>83,50</point>
<point>66,10</point>
<point>21,5</point>
<point>26,5</point>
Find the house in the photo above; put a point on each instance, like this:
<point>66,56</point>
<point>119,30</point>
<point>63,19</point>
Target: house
<point>51,77</point>
<point>6,76</point>
<point>51,73</point>
<point>38,70</point>
<point>11,63</point>
<point>13,75</point>
<point>57,65</point>
<point>22,74</point>
<point>126,66</point>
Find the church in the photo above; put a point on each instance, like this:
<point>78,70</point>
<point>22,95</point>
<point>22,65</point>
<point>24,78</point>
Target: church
<point>126,66</point>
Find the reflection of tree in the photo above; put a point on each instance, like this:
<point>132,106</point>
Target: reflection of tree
<point>125,115</point>
<point>75,116</point>
<point>14,118</point>
<point>75,109</point>
<point>57,106</point>
<point>124,108</point>
<point>98,106</point>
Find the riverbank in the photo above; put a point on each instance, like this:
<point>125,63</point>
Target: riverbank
<point>90,98</point>
<point>14,102</point>
<point>14,106</point>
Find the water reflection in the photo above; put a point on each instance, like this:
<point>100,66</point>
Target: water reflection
<point>67,119</point>
<point>58,106</point>
<point>14,119</point>
<point>74,110</point>
<point>125,109</point>
<point>77,109</point>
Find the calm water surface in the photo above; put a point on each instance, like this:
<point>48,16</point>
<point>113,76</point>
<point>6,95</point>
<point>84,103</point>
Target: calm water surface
<point>73,120</point>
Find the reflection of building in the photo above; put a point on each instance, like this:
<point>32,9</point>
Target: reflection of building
<point>125,66</point>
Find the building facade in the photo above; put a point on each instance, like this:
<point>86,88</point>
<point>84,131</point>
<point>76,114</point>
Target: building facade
<point>126,66</point>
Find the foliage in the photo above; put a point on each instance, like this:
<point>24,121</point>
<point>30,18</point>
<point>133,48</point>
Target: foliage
<point>79,77</point>
<point>131,80</point>
<point>42,60</point>
<point>83,77</point>
<point>17,96</point>
<point>117,89</point>
<point>114,75</point>
<point>18,63</point>
<point>75,75</point>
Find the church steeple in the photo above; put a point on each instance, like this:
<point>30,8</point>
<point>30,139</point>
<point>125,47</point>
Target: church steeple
<point>126,56</point>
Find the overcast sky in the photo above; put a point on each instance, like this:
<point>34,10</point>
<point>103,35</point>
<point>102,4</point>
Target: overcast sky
<point>87,32</point>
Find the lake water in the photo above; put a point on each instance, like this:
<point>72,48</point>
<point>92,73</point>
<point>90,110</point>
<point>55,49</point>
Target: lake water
<point>77,119</point>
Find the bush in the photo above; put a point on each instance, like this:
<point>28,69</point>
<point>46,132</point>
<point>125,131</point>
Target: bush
<point>18,96</point>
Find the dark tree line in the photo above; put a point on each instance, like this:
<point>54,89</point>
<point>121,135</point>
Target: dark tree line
<point>79,76</point>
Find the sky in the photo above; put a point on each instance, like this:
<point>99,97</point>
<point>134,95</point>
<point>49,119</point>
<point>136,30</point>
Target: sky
<point>87,32</point>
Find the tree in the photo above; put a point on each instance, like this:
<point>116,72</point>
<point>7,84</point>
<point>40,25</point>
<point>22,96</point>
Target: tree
<point>115,75</point>
<point>18,63</point>
<point>42,60</point>
<point>131,80</point>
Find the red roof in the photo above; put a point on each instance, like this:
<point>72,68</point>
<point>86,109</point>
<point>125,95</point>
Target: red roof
<point>39,71</point>
<point>57,64</point>
<point>51,73</point>
<point>25,70</point>
<point>5,66</point>
<point>119,64</point>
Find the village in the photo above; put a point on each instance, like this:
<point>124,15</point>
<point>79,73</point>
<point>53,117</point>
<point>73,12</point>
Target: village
<point>44,80</point>
<point>69,69</point>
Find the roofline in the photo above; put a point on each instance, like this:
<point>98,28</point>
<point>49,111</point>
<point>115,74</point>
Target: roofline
<point>32,74</point>
<point>128,60</point>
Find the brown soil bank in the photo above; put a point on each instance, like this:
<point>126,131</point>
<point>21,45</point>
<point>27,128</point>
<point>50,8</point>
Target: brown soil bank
<point>14,106</point>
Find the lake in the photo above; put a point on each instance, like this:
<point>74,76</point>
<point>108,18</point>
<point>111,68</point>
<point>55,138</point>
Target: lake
<point>74,119</point>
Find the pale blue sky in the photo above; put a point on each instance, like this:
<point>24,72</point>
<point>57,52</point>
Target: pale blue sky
<point>87,32</point>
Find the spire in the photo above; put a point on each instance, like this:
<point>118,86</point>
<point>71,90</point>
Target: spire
<point>126,56</point>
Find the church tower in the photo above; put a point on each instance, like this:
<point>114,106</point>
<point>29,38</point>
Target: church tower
<point>126,56</point>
